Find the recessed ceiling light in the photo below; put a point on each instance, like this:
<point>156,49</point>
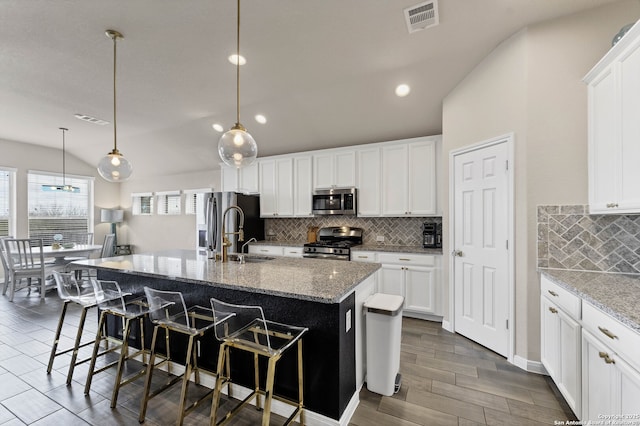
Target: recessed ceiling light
<point>402,90</point>
<point>217,127</point>
<point>234,59</point>
<point>90,119</point>
<point>261,118</point>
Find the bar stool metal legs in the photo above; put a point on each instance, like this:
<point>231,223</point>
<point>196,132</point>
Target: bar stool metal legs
<point>71,291</point>
<point>248,331</point>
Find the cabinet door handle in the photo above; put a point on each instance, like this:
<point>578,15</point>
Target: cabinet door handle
<point>553,310</point>
<point>607,333</point>
<point>457,253</point>
<point>553,293</point>
<point>606,358</point>
<point>612,205</point>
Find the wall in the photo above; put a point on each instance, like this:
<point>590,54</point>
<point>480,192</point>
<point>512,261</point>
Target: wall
<point>531,86</point>
<point>154,232</point>
<point>25,157</point>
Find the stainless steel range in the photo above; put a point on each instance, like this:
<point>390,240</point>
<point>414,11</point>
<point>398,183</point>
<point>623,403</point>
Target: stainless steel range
<point>334,242</point>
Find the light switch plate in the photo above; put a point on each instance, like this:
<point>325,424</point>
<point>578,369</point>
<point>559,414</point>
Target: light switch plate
<point>380,238</point>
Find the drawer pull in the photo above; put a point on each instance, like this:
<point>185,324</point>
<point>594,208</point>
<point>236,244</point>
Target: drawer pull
<point>553,310</point>
<point>553,293</point>
<point>607,333</point>
<point>405,259</point>
<point>263,250</point>
<point>612,205</point>
<point>363,257</point>
<point>606,358</point>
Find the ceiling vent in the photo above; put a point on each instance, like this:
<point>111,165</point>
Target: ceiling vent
<point>90,119</point>
<point>421,16</point>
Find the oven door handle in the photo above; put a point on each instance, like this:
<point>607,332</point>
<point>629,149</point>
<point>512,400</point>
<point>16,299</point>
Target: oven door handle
<point>325,256</point>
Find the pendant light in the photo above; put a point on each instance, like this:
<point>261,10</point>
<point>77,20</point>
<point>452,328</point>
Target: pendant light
<point>64,187</point>
<point>114,167</point>
<point>237,147</point>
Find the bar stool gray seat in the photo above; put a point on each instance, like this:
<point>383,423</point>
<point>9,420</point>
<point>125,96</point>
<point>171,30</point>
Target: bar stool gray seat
<point>168,311</point>
<point>248,330</point>
<point>81,293</point>
<point>113,302</point>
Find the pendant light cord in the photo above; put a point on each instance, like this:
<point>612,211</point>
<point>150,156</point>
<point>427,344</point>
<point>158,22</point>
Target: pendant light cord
<point>238,67</point>
<point>115,125</point>
<point>64,168</point>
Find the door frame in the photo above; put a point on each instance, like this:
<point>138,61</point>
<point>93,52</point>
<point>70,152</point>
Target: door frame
<point>507,139</point>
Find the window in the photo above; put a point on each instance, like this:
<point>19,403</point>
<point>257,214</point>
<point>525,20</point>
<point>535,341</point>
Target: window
<point>7,202</point>
<point>59,212</point>
<point>169,202</point>
<point>142,203</point>
<point>194,202</point>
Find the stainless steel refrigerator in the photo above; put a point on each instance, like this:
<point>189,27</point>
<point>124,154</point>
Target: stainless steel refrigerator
<point>210,229</point>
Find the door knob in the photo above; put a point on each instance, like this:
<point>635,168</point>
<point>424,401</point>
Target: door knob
<point>457,253</point>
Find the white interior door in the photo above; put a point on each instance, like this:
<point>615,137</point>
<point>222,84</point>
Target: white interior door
<point>480,245</point>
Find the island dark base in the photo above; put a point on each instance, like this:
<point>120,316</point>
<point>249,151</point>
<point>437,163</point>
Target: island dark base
<point>328,350</point>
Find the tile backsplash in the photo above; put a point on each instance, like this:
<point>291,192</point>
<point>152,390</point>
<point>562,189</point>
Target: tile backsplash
<point>396,231</point>
<point>570,238</point>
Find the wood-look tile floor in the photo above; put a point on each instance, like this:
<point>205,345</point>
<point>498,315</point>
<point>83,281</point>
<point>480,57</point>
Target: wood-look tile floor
<point>447,380</point>
<point>450,380</point>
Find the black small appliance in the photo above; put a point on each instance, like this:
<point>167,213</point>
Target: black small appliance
<point>431,235</point>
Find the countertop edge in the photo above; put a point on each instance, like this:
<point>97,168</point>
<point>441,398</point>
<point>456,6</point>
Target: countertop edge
<point>548,273</point>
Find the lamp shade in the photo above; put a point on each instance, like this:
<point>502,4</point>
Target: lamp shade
<point>237,148</point>
<point>111,215</point>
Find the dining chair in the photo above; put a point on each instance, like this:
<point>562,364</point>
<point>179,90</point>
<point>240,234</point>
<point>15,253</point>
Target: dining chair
<point>5,264</point>
<point>26,260</point>
<point>108,248</point>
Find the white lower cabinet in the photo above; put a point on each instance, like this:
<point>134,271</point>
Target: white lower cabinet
<point>611,387</point>
<point>591,356</point>
<point>292,251</point>
<point>266,250</point>
<point>560,351</point>
<point>412,276</point>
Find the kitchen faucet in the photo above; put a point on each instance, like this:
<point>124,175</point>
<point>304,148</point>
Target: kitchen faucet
<point>226,243</point>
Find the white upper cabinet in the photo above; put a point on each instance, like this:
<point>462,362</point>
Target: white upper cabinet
<point>276,187</point>
<point>243,180</point>
<point>302,185</point>
<point>614,128</point>
<point>369,168</point>
<point>334,169</point>
<point>409,178</point>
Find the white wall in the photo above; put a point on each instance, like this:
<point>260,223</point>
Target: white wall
<point>149,233</point>
<point>25,157</point>
<point>531,85</point>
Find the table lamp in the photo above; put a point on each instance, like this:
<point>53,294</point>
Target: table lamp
<point>112,216</point>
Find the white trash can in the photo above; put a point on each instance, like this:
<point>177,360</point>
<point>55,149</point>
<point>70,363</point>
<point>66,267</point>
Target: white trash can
<point>384,329</point>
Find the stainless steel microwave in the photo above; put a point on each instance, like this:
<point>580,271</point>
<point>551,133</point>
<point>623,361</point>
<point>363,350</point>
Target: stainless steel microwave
<point>334,201</point>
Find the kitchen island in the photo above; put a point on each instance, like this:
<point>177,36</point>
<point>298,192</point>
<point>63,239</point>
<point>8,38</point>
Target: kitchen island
<point>324,295</point>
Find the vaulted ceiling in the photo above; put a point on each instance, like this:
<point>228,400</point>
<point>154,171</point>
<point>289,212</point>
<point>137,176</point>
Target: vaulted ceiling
<point>322,72</point>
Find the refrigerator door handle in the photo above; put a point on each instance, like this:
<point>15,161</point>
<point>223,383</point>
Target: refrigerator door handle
<point>214,223</point>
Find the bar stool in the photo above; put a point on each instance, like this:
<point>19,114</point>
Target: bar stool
<point>81,293</point>
<point>248,330</point>
<point>168,311</point>
<point>112,302</point>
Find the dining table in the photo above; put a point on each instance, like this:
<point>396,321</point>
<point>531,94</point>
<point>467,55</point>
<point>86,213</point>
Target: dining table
<point>78,250</point>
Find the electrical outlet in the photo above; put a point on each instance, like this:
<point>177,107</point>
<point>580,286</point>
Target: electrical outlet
<point>348,320</point>
<point>380,238</point>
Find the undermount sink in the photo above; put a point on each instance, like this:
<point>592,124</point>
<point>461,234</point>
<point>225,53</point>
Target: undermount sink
<point>248,258</point>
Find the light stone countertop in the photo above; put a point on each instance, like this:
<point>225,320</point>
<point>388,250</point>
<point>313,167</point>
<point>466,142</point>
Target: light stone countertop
<point>616,294</point>
<point>362,247</point>
<point>317,280</point>
<point>397,249</point>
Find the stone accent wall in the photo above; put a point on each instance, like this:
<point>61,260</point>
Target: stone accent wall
<point>570,238</point>
<point>396,231</point>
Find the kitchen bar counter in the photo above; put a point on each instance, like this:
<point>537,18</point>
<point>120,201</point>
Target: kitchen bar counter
<point>317,280</point>
<point>616,294</point>
<point>324,295</point>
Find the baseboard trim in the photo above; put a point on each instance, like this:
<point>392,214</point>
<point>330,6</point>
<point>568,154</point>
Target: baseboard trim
<point>528,365</point>
<point>447,326</point>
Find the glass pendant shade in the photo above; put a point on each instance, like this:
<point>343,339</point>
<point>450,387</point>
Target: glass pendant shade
<point>114,167</point>
<point>237,148</point>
